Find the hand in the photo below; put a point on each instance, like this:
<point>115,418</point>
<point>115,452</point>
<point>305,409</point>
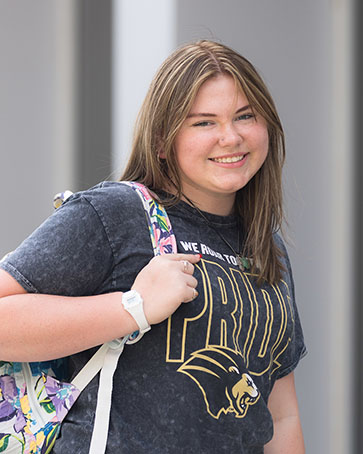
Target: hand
<point>166,282</point>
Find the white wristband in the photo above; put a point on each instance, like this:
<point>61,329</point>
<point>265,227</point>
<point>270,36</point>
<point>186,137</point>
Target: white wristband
<point>134,305</point>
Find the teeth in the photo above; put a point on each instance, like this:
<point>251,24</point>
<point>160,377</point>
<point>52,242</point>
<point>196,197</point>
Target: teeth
<point>228,160</point>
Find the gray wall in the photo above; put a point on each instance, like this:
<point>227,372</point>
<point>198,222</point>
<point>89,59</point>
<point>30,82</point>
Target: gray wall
<point>27,116</point>
<point>55,106</point>
<point>358,86</point>
<point>94,134</point>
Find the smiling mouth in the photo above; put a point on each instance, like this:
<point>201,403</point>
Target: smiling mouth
<point>228,160</point>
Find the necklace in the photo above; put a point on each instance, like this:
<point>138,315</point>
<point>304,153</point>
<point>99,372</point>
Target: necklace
<point>242,262</point>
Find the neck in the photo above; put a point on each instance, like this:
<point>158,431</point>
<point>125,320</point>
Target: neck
<point>220,204</point>
<point>222,210</point>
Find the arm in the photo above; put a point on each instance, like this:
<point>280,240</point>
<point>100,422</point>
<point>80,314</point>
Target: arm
<point>37,327</point>
<point>288,437</point>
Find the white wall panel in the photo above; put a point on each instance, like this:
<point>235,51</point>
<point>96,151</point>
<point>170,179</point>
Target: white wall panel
<point>144,35</point>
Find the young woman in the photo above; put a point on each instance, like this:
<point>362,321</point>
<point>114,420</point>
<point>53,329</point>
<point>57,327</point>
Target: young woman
<point>213,375</point>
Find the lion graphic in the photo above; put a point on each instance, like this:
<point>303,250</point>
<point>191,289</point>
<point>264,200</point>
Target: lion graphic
<point>223,380</point>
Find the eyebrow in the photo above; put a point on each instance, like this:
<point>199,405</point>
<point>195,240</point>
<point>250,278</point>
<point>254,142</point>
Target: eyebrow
<point>202,114</point>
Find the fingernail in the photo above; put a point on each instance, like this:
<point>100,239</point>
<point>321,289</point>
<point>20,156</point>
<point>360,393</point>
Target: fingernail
<point>200,255</point>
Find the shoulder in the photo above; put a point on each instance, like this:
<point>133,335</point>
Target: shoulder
<point>280,243</point>
<point>107,193</point>
<point>111,202</point>
<point>85,237</point>
<point>117,207</point>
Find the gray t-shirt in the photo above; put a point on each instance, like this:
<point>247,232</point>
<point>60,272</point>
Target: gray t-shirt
<point>199,381</point>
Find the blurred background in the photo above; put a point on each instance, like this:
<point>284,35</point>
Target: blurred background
<point>73,75</point>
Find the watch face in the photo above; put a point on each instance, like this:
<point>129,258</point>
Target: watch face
<point>133,300</point>
<point>133,303</point>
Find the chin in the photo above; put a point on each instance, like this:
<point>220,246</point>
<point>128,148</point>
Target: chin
<point>232,188</point>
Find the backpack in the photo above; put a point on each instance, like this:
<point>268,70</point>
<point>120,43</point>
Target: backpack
<point>33,402</point>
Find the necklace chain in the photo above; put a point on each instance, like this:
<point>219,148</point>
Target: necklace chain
<point>243,262</point>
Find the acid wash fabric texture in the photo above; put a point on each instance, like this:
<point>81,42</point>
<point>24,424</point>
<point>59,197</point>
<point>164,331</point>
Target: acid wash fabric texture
<point>197,382</point>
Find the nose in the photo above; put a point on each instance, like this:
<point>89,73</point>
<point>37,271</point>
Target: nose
<point>229,137</point>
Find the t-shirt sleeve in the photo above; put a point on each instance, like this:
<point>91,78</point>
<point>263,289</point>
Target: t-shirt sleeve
<point>296,348</point>
<point>69,254</point>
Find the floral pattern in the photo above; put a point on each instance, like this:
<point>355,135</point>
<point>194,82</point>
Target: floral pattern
<point>161,232</point>
<point>60,396</point>
<point>31,408</point>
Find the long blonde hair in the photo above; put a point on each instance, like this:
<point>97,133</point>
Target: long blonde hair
<point>166,106</point>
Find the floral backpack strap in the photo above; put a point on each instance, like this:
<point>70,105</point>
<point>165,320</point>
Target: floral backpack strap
<point>161,232</point>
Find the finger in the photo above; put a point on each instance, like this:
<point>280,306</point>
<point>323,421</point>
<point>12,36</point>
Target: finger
<point>191,281</point>
<point>194,294</point>
<point>192,258</point>
<point>187,267</point>
<point>184,264</point>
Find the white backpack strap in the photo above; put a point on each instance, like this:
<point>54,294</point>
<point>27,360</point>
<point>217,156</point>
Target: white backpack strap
<point>95,364</point>
<point>104,397</point>
<point>104,360</point>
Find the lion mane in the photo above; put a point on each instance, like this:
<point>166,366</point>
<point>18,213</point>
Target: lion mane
<point>223,380</point>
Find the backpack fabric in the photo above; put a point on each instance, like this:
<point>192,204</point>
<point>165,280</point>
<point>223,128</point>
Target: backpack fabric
<point>33,402</point>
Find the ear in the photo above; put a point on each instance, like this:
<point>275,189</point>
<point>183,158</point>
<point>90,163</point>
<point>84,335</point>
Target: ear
<point>162,154</point>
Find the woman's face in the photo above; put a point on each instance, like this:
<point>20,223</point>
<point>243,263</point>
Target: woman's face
<point>220,146</point>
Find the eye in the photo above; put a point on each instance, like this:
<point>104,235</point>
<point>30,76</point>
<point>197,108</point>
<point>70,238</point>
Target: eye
<point>203,123</point>
<point>245,116</point>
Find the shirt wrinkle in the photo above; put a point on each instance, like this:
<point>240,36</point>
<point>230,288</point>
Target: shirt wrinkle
<point>104,226</point>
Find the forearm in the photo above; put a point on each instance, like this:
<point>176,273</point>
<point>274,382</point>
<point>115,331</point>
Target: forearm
<point>37,327</point>
<point>288,438</point>
<point>40,327</point>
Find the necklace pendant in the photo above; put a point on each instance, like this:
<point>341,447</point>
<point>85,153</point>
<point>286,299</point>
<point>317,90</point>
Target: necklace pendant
<point>243,263</point>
